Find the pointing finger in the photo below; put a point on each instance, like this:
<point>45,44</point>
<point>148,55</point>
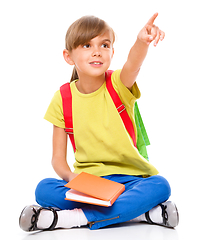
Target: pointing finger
<point>151,20</point>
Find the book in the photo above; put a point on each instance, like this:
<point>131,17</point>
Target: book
<point>91,189</point>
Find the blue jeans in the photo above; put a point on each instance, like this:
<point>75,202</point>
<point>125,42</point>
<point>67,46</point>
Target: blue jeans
<point>140,196</point>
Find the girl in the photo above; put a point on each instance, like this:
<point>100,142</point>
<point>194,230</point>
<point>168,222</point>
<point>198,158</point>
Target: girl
<point>103,146</point>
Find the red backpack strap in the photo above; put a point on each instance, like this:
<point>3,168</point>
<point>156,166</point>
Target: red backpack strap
<point>65,91</point>
<point>120,107</point>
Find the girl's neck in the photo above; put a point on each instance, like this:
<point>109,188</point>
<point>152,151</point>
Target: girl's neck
<point>90,84</point>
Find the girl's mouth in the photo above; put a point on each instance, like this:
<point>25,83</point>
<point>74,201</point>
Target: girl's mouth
<point>96,64</point>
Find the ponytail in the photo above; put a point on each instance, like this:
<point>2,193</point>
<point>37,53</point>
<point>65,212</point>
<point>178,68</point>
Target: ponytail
<point>74,75</point>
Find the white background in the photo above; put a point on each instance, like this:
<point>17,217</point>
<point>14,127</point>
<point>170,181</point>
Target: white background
<point>171,82</point>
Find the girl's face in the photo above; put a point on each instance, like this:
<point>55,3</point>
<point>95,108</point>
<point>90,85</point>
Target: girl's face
<point>93,58</point>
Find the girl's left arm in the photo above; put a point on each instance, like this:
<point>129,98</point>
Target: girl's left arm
<point>138,52</point>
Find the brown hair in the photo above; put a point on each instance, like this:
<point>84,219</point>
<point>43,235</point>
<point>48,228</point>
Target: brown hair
<point>82,31</point>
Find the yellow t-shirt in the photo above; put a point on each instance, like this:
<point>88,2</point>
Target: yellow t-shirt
<point>103,145</point>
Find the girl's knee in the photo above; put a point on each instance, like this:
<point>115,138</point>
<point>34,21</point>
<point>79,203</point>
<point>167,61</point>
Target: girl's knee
<point>162,185</point>
<point>41,188</point>
<point>48,188</point>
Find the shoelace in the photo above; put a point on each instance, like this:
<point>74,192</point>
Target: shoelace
<point>34,219</point>
<point>164,214</point>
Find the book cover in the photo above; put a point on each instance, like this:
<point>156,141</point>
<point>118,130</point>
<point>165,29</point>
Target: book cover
<point>92,189</point>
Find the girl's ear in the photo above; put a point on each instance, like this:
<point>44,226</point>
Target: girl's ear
<point>67,57</point>
<point>113,53</point>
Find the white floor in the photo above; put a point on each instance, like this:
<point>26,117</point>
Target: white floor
<point>119,232</point>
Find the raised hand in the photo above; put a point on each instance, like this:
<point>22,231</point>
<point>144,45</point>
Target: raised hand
<point>150,32</point>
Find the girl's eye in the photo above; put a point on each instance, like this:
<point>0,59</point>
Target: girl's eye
<point>104,45</point>
<point>86,46</point>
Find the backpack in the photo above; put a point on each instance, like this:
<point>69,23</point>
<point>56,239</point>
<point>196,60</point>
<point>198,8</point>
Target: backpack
<point>65,91</point>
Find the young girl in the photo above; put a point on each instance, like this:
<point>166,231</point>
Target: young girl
<point>103,146</point>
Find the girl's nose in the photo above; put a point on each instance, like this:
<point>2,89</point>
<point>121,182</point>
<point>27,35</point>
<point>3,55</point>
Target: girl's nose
<point>96,52</point>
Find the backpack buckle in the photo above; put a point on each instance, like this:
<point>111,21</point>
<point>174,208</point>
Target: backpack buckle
<point>69,130</point>
<point>121,108</point>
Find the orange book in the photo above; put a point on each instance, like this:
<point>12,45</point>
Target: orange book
<point>91,189</point>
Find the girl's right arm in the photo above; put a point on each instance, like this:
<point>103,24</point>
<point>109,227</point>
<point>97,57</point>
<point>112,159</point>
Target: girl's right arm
<point>59,157</point>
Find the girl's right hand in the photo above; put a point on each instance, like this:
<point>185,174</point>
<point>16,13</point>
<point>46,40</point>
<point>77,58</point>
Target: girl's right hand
<point>151,32</point>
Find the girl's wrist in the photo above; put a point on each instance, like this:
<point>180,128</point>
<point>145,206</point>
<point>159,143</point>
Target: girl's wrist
<point>71,176</point>
<point>141,43</point>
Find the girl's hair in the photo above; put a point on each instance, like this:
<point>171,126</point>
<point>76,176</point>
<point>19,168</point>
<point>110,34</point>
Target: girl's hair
<point>82,31</point>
